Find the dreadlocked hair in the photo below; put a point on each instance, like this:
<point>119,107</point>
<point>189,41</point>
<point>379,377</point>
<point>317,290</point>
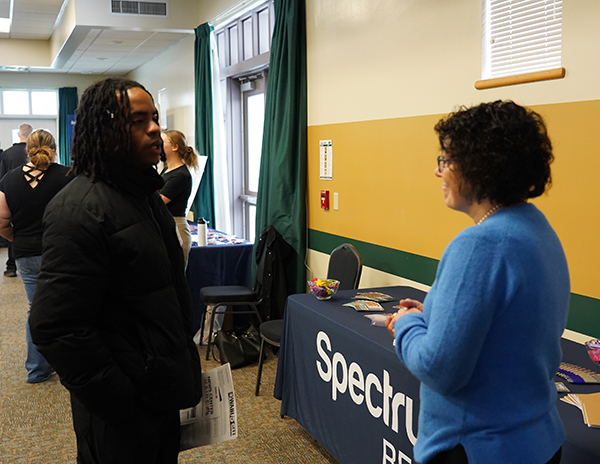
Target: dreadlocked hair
<point>101,132</point>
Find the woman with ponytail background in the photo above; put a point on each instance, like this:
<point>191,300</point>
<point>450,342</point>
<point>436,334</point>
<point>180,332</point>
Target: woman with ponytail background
<point>178,183</point>
<point>24,193</point>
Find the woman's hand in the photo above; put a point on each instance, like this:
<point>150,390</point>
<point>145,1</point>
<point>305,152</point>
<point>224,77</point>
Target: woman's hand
<point>412,304</point>
<point>407,306</point>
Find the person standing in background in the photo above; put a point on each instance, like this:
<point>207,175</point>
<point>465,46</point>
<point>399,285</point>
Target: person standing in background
<point>178,183</point>
<point>24,194</point>
<point>112,311</point>
<point>3,241</point>
<point>14,157</point>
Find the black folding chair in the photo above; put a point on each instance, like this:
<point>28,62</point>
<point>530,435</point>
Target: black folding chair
<point>345,265</point>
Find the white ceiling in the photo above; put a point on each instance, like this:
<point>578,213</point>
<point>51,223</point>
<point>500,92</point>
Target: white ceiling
<point>90,50</point>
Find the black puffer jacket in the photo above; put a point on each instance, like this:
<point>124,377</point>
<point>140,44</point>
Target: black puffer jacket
<point>112,311</point>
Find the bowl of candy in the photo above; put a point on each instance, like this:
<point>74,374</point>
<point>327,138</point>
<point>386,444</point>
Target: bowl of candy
<point>323,289</point>
<point>593,349</point>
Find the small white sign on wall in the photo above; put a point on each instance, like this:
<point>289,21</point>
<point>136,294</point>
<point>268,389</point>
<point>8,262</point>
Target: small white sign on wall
<point>162,108</point>
<point>326,150</point>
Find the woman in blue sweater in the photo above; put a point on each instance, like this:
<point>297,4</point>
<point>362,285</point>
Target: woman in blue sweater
<point>485,343</point>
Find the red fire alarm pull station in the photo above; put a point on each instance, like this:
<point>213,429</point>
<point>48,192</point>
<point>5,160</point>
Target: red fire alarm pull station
<point>325,199</point>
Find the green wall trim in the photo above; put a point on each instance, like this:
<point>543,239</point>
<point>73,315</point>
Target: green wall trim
<point>584,313</point>
<point>396,262</point>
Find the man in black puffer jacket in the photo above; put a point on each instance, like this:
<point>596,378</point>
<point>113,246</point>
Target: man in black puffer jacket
<point>112,312</point>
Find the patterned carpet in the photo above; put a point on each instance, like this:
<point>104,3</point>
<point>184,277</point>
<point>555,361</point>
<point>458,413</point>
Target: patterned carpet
<point>35,420</point>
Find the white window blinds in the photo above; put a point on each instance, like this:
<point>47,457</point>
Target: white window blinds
<point>521,36</point>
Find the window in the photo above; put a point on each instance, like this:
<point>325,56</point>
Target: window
<point>521,37</point>
<point>255,109</point>
<point>38,107</point>
<point>15,102</point>
<point>44,103</point>
<point>243,47</point>
<point>253,116</point>
<point>29,102</point>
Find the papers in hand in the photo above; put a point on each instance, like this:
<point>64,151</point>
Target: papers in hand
<point>589,405</point>
<point>365,305</point>
<point>378,320</point>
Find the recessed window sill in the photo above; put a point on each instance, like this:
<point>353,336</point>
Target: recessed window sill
<point>558,73</point>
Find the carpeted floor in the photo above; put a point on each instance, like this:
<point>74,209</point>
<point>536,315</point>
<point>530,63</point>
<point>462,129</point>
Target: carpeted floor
<point>35,420</point>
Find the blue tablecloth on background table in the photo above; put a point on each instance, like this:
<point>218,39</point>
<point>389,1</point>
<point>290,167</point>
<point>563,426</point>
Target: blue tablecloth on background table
<point>225,260</point>
<point>339,377</point>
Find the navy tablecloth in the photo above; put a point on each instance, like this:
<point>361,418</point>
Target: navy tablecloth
<point>582,445</point>
<point>340,378</point>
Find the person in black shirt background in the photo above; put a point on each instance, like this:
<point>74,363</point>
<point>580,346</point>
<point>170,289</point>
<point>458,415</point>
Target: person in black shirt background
<point>14,157</point>
<point>24,194</point>
<point>178,183</point>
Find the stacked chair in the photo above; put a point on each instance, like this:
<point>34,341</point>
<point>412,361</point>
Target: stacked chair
<point>265,297</point>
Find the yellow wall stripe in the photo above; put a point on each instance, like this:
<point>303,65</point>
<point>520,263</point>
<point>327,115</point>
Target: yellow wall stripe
<point>389,196</point>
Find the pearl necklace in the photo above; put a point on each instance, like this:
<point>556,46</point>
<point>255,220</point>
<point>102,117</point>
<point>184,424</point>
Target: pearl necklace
<point>488,214</point>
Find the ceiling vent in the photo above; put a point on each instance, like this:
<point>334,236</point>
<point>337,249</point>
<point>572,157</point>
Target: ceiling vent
<point>14,68</point>
<point>139,8</point>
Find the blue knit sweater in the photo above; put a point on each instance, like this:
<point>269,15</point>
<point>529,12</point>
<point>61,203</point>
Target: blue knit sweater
<point>487,345</point>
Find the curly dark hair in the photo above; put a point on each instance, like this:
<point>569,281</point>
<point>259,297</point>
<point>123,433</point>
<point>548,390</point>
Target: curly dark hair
<point>501,151</point>
<point>102,127</point>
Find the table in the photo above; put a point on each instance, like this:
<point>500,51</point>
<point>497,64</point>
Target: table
<point>225,260</point>
<point>582,445</point>
<point>340,379</point>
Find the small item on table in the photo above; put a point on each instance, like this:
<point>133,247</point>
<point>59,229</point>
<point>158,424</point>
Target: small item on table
<point>561,387</point>
<point>593,349</point>
<point>375,296</point>
<point>577,374</point>
<point>589,404</point>
<point>201,228</point>
<point>365,305</point>
<point>323,289</point>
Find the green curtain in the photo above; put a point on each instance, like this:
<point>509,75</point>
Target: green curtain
<point>281,198</point>
<point>204,203</point>
<point>67,104</point>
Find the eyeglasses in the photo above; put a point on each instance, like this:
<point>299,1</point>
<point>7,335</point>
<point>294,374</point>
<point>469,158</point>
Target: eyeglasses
<point>443,162</point>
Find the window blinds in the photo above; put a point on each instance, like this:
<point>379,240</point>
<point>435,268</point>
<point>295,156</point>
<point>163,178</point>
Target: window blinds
<point>521,36</point>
